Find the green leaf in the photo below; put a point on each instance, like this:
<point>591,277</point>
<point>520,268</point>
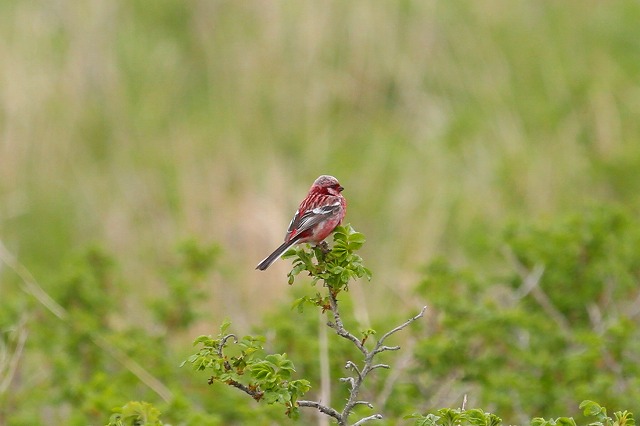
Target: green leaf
<point>539,421</point>
<point>357,237</point>
<point>225,325</point>
<point>289,253</point>
<point>591,408</point>
<point>202,339</point>
<point>270,397</point>
<point>299,304</point>
<point>339,234</point>
<point>450,416</point>
<point>424,420</point>
<point>624,418</point>
<point>136,413</point>
<point>565,421</point>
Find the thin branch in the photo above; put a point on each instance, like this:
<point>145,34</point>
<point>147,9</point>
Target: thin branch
<point>367,403</point>
<point>255,394</point>
<point>360,373</point>
<point>387,348</point>
<point>380,347</point>
<point>369,366</point>
<point>373,367</point>
<point>351,366</point>
<point>366,419</point>
<point>322,408</point>
<point>223,342</point>
<point>399,368</point>
<point>338,326</point>
<point>349,380</point>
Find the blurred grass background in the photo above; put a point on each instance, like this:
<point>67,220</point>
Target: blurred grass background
<point>134,125</point>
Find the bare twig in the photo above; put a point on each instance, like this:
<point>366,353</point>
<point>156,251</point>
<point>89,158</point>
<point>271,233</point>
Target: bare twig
<point>360,373</point>
<point>400,367</point>
<point>380,347</point>
<point>223,342</point>
<point>367,403</point>
<point>366,419</point>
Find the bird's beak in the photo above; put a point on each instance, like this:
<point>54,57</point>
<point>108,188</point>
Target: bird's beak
<point>340,188</point>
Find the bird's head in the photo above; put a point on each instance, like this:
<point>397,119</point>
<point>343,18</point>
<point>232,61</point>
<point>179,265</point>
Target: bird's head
<point>327,185</point>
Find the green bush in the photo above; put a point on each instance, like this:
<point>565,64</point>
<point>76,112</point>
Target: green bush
<point>555,325</point>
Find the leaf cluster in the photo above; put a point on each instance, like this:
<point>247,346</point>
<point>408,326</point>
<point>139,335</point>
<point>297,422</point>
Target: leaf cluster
<point>477,417</point>
<point>456,417</point>
<point>136,413</point>
<point>335,267</point>
<point>590,409</point>
<point>245,365</point>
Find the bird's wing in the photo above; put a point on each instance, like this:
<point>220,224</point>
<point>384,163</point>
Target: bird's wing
<point>310,218</point>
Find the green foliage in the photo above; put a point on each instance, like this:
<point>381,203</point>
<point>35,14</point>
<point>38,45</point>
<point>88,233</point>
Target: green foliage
<point>297,334</point>
<point>477,417</point>
<point>264,377</point>
<point>595,250</point>
<point>90,363</point>
<point>335,267</point>
<point>456,417</point>
<point>185,285</point>
<point>127,126</point>
<point>136,413</point>
<point>559,315</point>
<point>621,418</point>
<point>560,421</point>
<point>270,375</point>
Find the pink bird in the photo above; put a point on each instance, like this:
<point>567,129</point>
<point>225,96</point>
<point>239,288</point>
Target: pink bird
<point>317,216</point>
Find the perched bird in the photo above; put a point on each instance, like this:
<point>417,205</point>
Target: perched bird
<point>317,216</point>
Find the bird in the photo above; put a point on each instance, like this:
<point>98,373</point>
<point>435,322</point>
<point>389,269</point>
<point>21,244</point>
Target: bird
<point>321,211</point>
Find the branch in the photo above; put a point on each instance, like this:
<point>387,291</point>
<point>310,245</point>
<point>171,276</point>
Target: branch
<point>358,373</point>
<point>373,367</point>
<point>223,342</point>
<point>366,419</point>
<point>367,403</point>
<point>380,347</point>
<point>322,408</point>
<point>338,326</point>
<point>369,366</point>
<point>255,394</point>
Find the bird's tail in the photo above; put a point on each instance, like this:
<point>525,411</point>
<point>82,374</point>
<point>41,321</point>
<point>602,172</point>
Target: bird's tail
<point>275,255</point>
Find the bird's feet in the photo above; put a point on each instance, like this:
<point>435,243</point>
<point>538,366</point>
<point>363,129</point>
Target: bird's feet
<point>324,247</point>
